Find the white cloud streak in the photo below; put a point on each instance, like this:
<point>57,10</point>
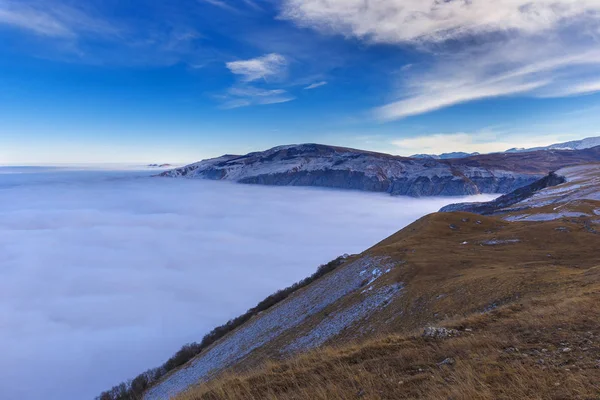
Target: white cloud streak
<point>264,67</point>
<point>506,70</point>
<point>53,20</point>
<point>107,274</point>
<point>244,96</point>
<point>72,31</point>
<point>221,4</point>
<point>315,85</point>
<point>589,87</point>
<point>473,50</point>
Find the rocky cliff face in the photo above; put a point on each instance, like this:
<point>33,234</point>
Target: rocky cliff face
<point>509,199</point>
<point>568,192</point>
<point>343,168</point>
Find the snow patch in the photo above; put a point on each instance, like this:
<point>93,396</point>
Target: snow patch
<point>545,217</point>
<point>495,242</point>
<point>336,323</point>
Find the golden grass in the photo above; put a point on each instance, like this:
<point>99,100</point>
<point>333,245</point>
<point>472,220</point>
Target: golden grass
<point>546,288</point>
<point>515,352</point>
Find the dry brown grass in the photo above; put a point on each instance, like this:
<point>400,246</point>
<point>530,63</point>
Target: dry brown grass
<point>545,289</point>
<point>515,352</point>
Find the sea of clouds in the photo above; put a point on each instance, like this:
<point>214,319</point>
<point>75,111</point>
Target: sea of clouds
<point>104,274</point>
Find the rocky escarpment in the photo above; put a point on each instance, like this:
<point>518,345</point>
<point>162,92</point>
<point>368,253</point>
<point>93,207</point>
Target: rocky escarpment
<point>568,192</point>
<point>343,168</point>
<point>512,198</point>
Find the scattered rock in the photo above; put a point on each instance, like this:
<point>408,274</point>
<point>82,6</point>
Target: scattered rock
<point>566,350</point>
<point>454,227</point>
<point>465,220</point>
<point>438,333</point>
<point>491,307</point>
<point>495,242</point>
<point>562,229</point>
<point>447,361</point>
<point>478,222</point>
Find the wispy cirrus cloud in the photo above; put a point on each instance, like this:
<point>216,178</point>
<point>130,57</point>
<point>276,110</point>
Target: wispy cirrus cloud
<point>244,96</point>
<point>53,20</point>
<point>471,50</point>
<point>227,5</point>
<point>90,33</point>
<point>315,85</point>
<point>271,65</point>
<point>502,70</point>
<point>221,4</point>
<point>584,88</point>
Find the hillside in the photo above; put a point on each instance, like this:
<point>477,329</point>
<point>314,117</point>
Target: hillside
<point>343,168</point>
<point>518,294</point>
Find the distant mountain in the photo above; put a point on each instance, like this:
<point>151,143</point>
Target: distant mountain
<point>445,156</point>
<point>344,168</point>
<point>573,145</point>
<point>159,165</point>
<point>582,144</point>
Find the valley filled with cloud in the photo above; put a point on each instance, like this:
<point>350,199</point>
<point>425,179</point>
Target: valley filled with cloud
<point>107,273</point>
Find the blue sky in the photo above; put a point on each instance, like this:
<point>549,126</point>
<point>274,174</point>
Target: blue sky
<point>149,81</point>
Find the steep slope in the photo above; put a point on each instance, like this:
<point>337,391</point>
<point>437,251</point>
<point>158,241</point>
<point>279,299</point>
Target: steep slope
<point>498,282</point>
<point>540,349</point>
<point>336,167</point>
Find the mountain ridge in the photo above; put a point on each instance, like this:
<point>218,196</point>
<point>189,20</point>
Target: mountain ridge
<point>344,168</point>
<point>580,144</point>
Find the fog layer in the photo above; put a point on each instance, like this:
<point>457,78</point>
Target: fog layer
<point>106,274</point>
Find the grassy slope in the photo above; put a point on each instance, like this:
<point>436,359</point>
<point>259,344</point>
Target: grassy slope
<point>546,288</point>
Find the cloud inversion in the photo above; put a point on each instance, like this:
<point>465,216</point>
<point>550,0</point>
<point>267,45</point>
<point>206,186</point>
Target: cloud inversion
<point>106,274</point>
